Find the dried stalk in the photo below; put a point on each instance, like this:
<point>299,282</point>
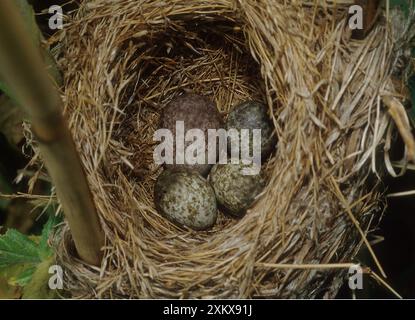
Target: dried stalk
<point>21,67</point>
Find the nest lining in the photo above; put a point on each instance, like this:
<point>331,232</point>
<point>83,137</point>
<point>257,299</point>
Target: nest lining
<point>124,60</point>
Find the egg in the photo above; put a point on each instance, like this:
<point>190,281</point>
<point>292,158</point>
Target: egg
<point>185,198</point>
<point>196,112</point>
<point>253,115</point>
<point>235,190</point>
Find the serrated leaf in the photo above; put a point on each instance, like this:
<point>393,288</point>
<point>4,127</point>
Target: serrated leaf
<point>16,248</point>
<point>23,277</point>
<point>12,279</point>
<point>21,257</point>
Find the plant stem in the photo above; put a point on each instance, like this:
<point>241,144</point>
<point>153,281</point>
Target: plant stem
<point>22,68</point>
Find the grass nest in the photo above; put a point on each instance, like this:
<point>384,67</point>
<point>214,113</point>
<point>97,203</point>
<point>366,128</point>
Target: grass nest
<point>332,101</point>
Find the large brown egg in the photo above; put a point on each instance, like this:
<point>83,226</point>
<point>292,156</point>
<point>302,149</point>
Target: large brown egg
<point>196,112</point>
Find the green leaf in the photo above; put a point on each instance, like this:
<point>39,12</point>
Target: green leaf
<point>23,277</point>
<point>44,249</point>
<point>22,257</point>
<point>38,287</point>
<point>16,248</point>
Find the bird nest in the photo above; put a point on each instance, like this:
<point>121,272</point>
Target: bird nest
<point>124,60</point>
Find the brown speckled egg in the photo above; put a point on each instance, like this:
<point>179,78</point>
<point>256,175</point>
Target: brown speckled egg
<point>185,198</point>
<point>253,115</point>
<point>197,112</point>
<point>235,191</point>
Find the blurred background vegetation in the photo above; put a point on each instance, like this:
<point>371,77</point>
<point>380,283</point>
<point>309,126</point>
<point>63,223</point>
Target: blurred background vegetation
<point>396,251</point>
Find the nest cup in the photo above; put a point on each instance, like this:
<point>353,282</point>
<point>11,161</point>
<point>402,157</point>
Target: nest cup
<point>124,60</point>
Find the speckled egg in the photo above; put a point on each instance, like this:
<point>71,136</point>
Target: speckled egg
<point>235,190</point>
<point>197,112</point>
<point>185,198</point>
<point>253,115</point>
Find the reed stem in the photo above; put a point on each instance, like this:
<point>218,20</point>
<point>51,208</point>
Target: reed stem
<point>22,68</point>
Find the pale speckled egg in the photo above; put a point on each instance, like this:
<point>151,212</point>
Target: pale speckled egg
<point>253,115</point>
<point>185,198</point>
<point>235,191</point>
<point>196,112</point>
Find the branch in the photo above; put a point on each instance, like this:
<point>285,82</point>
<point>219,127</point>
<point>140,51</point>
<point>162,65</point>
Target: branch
<point>22,68</point>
